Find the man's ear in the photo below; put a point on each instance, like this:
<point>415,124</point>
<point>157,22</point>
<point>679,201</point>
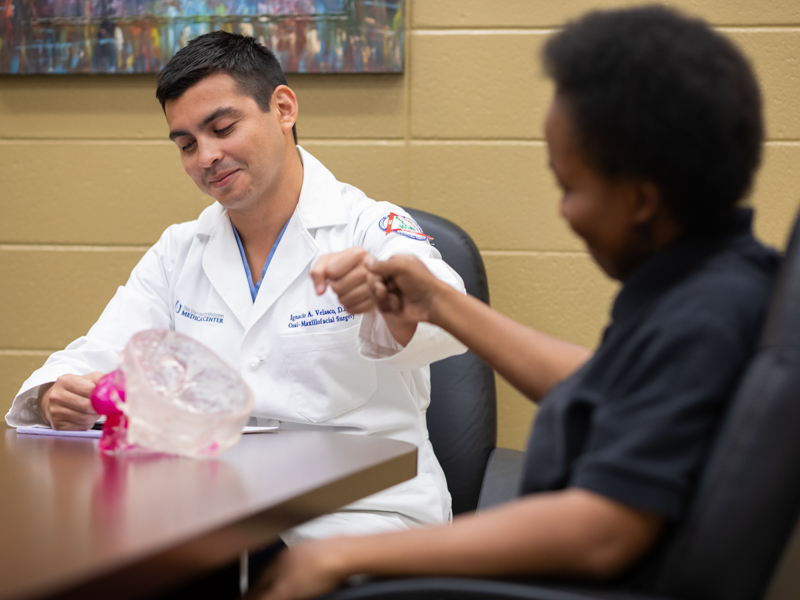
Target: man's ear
<point>648,202</point>
<point>284,102</point>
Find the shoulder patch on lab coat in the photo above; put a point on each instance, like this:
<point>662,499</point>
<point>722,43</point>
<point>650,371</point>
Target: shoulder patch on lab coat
<point>405,226</point>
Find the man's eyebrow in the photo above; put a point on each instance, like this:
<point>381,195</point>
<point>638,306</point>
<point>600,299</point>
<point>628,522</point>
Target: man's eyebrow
<point>176,134</point>
<point>220,112</point>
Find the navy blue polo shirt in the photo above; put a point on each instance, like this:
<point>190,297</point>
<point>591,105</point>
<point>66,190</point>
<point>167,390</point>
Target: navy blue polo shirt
<point>636,422</point>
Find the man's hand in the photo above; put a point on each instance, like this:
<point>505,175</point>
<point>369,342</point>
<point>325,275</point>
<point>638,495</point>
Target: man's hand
<point>306,571</point>
<point>404,287</point>
<point>65,404</point>
<point>347,274</point>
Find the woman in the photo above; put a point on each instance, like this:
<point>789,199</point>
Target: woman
<point>654,135</point>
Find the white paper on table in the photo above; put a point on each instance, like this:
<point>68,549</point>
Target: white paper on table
<point>41,430</point>
<point>96,433</point>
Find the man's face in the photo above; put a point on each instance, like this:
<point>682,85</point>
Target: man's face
<point>234,152</point>
<point>598,209</point>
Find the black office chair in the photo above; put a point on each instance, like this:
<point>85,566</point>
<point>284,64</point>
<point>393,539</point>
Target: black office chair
<point>462,417</point>
<point>745,508</point>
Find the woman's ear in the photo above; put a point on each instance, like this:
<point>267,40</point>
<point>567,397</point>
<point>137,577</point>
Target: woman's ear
<point>654,217</point>
<point>648,202</point>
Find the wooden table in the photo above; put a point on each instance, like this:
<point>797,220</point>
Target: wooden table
<point>78,524</point>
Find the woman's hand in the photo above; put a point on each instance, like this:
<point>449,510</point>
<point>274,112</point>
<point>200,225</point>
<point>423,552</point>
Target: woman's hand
<point>403,286</point>
<point>306,571</point>
<point>531,361</point>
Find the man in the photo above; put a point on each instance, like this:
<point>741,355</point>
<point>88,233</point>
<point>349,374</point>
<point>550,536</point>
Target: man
<point>271,277</point>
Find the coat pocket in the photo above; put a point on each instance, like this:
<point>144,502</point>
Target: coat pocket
<point>328,374</point>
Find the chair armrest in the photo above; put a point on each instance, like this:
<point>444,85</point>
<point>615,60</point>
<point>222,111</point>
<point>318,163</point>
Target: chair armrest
<point>456,588</point>
<point>502,477</point>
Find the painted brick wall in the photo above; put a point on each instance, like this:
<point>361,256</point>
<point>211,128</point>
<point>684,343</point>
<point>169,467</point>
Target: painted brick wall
<point>90,180</point>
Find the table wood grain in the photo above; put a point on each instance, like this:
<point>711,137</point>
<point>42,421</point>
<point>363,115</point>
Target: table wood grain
<point>75,523</point>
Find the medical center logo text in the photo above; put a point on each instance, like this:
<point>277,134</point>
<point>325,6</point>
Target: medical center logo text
<point>192,314</point>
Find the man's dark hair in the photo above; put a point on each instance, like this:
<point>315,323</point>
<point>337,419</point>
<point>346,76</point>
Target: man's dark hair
<point>655,95</point>
<point>253,67</point>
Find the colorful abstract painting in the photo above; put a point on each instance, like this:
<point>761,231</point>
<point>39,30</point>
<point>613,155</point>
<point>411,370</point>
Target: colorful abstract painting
<point>140,36</point>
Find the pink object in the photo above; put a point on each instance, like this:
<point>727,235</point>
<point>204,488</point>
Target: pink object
<point>107,397</point>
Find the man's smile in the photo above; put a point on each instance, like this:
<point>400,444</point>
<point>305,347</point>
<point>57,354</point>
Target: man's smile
<point>220,180</point>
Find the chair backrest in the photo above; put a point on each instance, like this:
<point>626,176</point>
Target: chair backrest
<point>462,417</point>
<point>748,499</point>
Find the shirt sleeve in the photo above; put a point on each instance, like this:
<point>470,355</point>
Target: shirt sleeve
<point>648,440</point>
<point>142,303</point>
<point>429,343</point>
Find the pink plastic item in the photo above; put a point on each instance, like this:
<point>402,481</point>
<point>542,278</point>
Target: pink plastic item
<point>107,397</point>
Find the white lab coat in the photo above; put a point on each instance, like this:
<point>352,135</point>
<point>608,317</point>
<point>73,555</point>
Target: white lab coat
<point>307,369</point>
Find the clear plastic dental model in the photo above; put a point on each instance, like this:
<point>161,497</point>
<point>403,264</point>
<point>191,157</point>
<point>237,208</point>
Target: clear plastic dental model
<point>171,394</point>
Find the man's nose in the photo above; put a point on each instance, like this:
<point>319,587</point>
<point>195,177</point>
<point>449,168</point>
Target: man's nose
<point>208,153</point>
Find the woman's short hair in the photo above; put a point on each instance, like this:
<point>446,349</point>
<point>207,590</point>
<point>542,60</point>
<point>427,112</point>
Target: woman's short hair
<point>656,95</point>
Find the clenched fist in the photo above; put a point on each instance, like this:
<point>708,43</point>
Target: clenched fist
<point>66,403</point>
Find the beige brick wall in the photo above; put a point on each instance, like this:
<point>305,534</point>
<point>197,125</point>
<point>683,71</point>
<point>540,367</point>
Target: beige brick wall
<point>90,180</point>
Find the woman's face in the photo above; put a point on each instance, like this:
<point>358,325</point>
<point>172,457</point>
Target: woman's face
<point>602,211</point>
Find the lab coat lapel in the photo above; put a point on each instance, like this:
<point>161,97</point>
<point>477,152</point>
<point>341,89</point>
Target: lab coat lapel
<point>320,205</point>
<point>222,264</point>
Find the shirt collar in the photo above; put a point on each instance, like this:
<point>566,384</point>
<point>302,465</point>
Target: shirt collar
<point>671,265</point>
<point>320,203</point>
